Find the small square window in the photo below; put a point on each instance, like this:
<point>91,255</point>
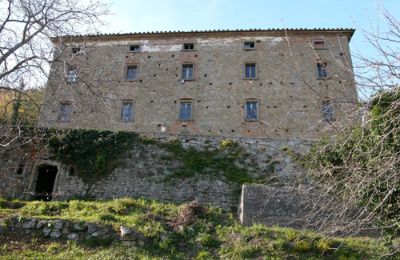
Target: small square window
<point>75,50</point>
<point>187,72</point>
<point>319,44</point>
<point>328,112</point>
<point>322,70</point>
<point>185,110</point>
<point>72,75</point>
<point>188,46</point>
<point>250,71</point>
<point>249,45</point>
<point>134,48</point>
<point>131,72</point>
<point>251,110</point>
<point>127,111</point>
<point>65,112</point>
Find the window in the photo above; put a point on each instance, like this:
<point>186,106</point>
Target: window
<point>72,75</point>
<point>249,45</point>
<point>185,110</point>
<point>134,48</point>
<point>131,72</point>
<point>319,44</point>
<point>20,169</point>
<point>328,111</point>
<point>322,70</point>
<point>188,46</point>
<point>250,71</point>
<point>65,112</point>
<point>187,71</point>
<point>127,111</point>
<point>75,50</point>
<point>252,110</point>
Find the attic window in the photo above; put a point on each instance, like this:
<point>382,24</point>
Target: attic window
<point>249,45</point>
<point>319,44</point>
<point>134,48</point>
<point>188,46</point>
<point>76,50</point>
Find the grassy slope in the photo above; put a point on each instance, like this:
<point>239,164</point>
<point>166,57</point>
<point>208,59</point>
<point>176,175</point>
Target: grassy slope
<point>213,234</point>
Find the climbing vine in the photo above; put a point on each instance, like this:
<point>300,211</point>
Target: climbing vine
<point>92,153</point>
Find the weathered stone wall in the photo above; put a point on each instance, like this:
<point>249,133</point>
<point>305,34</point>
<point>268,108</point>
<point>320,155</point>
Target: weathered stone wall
<point>280,205</point>
<point>148,172</point>
<point>287,87</point>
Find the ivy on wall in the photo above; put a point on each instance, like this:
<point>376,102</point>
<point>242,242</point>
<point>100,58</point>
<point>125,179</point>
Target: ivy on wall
<point>92,153</point>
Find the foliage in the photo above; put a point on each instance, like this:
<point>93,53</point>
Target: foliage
<point>28,105</point>
<point>93,153</point>
<point>211,234</point>
<point>361,163</point>
<point>210,160</point>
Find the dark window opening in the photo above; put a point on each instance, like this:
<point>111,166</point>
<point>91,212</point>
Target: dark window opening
<point>131,72</point>
<point>71,171</point>
<point>188,46</point>
<point>75,50</point>
<point>187,71</point>
<point>250,71</point>
<point>20,169</point>
<point>45,182</point>
<point>249,45</point>
<point>319,44</point>
<point>134,48</point>
<point>322,70</point>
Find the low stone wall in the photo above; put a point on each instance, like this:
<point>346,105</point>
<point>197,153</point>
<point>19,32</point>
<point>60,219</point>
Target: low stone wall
<point>282,206</point>
<point>149,172</point>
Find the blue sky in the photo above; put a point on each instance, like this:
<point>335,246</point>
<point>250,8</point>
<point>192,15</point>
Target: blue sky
<point>164,15</point>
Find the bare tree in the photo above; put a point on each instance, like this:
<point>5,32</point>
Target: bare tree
<point>27,29</point>
<point>358,168</point>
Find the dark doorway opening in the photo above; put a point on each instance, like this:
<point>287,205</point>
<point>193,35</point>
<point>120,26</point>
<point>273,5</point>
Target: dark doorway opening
<point>45,182</point>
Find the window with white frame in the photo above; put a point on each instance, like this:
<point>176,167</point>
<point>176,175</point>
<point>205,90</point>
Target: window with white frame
<point>187,71</point>
<point>185,110</point>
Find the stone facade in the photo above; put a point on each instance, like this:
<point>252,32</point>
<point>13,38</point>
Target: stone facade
<point>147,173</point>
<point>290,94</point>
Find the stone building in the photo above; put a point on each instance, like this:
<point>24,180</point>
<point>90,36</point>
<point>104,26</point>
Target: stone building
<point>264,89</point>
<point>276,84</point>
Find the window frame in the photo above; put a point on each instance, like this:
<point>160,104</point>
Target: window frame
<point>188,101</point>
<point>132,112</point>
<point>64,118</point>
<point>193,70</point>
<point>248,48</point>
<point>257,110</point>
<point>71,79</point>
<point>255,70</point>
<point>322,46</point>
<point>188,44</point>
<point>328,115</point>
<point>322,70</point>
<point>126,72</point>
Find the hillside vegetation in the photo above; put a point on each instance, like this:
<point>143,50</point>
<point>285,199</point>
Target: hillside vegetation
<point>169,231</point>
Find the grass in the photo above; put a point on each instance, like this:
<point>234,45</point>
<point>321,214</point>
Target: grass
<point>208,234</point>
